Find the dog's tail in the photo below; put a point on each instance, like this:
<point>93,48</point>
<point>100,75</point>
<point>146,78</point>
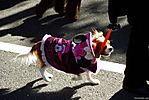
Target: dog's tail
<point>28,58</point>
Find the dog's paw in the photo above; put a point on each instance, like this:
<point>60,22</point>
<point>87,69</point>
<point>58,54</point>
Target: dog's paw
<point>47,79</point>
<point>76,78</point>
<point>95,81</point>
<point>49,75</point>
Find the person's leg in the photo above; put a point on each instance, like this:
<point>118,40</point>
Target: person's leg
<point>42,7</point>
<point>73,9</point>
<point>136,61</point>
<point>60,6</point>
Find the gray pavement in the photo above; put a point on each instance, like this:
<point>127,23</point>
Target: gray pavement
<point>19,25</point>
<point>20,82</point>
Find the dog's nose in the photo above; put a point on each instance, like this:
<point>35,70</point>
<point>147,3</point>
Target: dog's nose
<point>111,49</point>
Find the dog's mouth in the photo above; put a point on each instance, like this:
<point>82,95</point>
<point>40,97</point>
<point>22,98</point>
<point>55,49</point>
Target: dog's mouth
<point>107,51</point>
<point>106,54</point>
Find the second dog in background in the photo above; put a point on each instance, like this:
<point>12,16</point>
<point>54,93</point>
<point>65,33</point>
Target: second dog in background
<point>68,8</point>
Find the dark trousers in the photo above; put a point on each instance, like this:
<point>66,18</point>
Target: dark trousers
<point>137,58</point>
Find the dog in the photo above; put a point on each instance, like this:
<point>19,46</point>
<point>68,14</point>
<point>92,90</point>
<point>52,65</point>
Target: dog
<point>75,56</point>
<point>68,8</point>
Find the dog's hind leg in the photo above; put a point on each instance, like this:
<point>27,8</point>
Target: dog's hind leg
<point>77,77</point>
<point>91,79</point>
<point>45,75</point>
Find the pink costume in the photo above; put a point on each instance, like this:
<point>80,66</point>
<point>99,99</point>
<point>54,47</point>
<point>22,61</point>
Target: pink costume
<point>67,56</point>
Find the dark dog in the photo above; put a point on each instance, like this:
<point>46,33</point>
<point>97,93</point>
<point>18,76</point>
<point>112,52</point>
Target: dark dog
<point>69,8</point>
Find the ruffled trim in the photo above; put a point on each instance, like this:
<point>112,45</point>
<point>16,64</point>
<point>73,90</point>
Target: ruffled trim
<point>43,49</point>
<point>89,42</point>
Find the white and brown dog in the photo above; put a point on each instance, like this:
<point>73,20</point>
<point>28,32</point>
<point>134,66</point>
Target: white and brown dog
<point>74,56</point>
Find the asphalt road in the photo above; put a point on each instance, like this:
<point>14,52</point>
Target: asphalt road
<point>19,25</point>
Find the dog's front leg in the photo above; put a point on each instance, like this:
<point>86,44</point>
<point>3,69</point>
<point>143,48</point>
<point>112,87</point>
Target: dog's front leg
<point>45,75</point>
<point>91,79</point>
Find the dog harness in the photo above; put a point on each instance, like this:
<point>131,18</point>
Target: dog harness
<point>67,56</point>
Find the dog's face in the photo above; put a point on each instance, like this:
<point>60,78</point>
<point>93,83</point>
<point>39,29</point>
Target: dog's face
<point>97,40</point>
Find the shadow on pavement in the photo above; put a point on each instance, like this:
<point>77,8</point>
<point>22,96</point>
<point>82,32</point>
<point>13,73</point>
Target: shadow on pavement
<point>123,95</point>
<point>36,29</point>
<point>17,16</point>
<point>29,92</point>
<point>5,4</point>
<point>31,26</point>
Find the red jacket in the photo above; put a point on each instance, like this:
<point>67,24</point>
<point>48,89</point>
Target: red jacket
<point>67,56</point>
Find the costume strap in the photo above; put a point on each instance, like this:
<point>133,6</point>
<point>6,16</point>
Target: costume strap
<point>106,38</point>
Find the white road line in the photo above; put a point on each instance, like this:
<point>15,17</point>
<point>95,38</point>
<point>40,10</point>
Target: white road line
<point>14,48</point>
<point>110,66</point>
<point>104,65</point>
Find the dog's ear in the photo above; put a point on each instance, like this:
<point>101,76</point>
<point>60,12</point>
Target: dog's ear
<point>96,33</point>
<point>93,30</point>
<point>79,38</point>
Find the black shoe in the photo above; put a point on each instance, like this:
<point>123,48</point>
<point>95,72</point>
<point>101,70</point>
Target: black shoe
<point>142,90</point>
<point>114,26</point>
